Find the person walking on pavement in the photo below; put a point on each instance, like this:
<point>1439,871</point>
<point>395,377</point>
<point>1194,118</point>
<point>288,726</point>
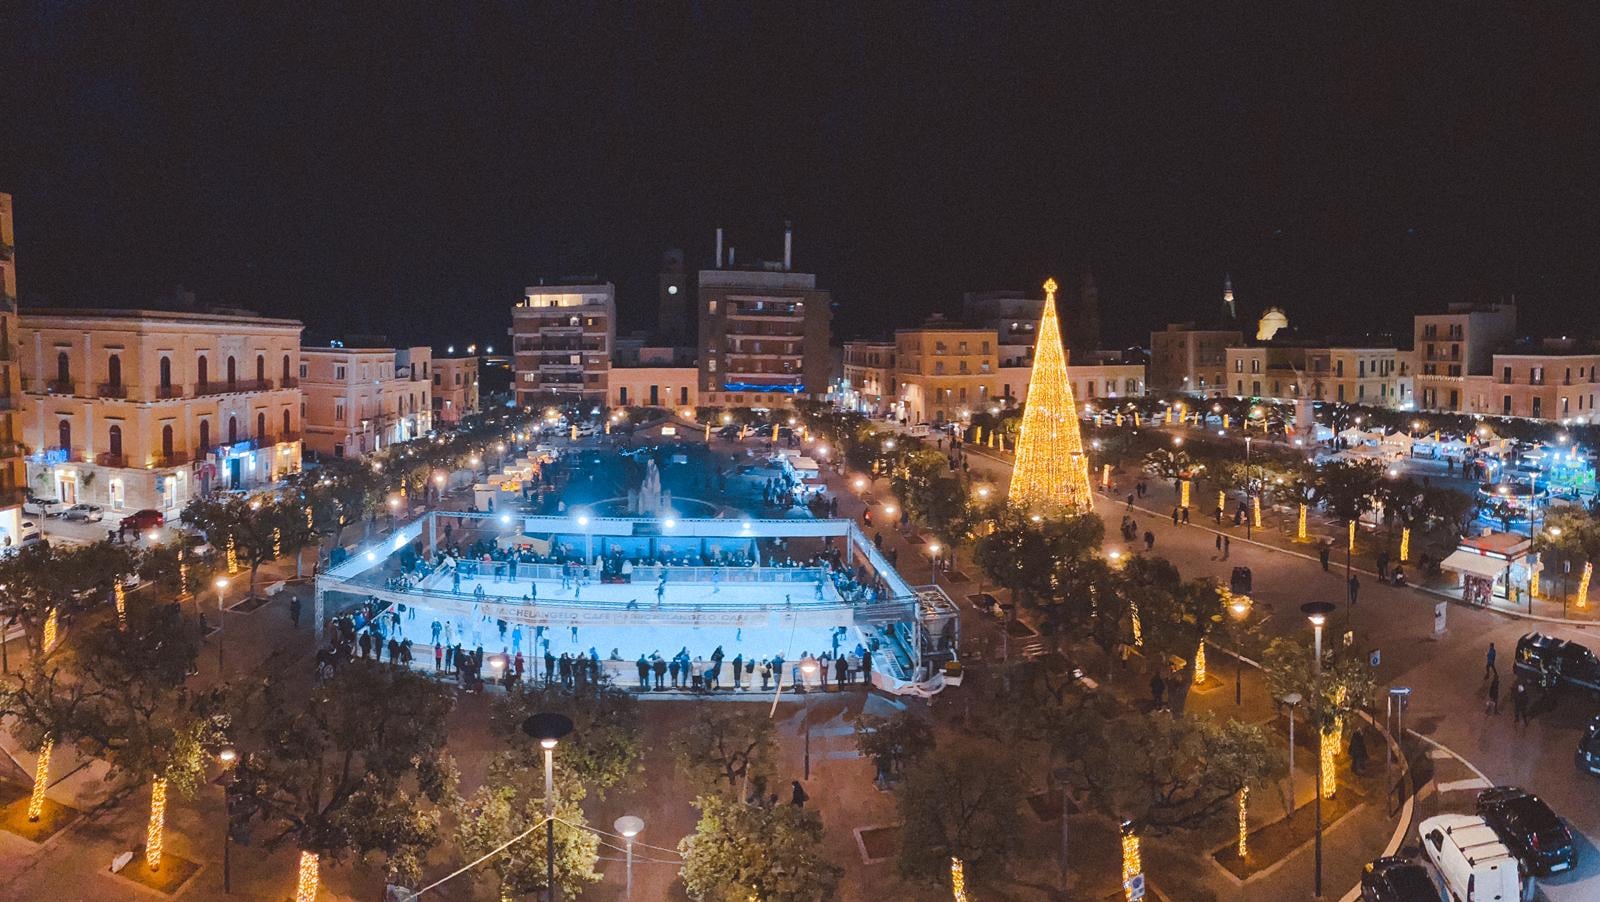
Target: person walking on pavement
<point>1322,555</point>
<point>1519,702</point>
<point>1355,588</point>
<point>1219,543</point>
<point>1185,516</point>
<point>1488,662</point>
<point>1358,752</point>
<point>1227,547</point>
<point>1158,690</point>
<point>294,610</point>
<point>1492,706</point>
<point>1149,540</point>
<point>1174,516</point>
<point>799,798</point>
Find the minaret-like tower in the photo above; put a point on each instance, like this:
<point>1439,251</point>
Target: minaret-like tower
<point>1230,312</point>
<point>1051,472</point>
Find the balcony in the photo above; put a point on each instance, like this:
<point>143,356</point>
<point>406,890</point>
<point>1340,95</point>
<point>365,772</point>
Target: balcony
<point>289,383</point>
<point>61,387</point>
<point>238,385</point>
<point>107,459</point>
<point>175,459</point>
<point>168,392</point>
<point>111,390</point>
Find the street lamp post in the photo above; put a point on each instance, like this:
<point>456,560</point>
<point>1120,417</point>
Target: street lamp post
<point>222,588</point>
<point>933,563</point>
<point>227,756</point>
<point>808,669</point>
<point>1317,612</point>
<point>629,826</point>
<point>549,728</point>
<point>1239,608</point>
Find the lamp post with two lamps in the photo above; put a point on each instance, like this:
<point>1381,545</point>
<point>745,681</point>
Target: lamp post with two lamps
<point>549,728</point>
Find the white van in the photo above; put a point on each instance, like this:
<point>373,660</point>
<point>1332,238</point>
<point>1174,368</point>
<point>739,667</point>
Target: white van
<point>1476,866</point>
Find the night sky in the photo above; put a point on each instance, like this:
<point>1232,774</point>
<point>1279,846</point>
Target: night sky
<point>408,168</point>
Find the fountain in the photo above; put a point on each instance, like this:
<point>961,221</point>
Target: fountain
<point>649,499</point>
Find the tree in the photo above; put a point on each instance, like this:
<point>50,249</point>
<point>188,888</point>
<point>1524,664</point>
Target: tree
<point>724,750</point>
<point>1174,615</point>
<point>346,767</point>
<point>44,580</point>
<point>768,852</point>
<point>1348,488</point>
<point>1343,686</point>
<point>961,803</point>
<point>894,741</point>
<point>258,531</point>
<point>510,804</point>
<point>1165,772</point>
<point>604,749</point>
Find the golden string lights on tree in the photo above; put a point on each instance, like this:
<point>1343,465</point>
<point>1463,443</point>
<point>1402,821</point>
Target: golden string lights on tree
<point>1200,663</point>
<point>52,623</point>
<point>305,889</point>
<point>1132,862</point>
<point>1255,510</point>
<point>958,880</point>
<point>122,605</point>
<point>1050,470</point>
<point>41,779</point>
<point>1405,543</point>
<point>1244,821</point>
<point>1583,585</point>
<point>158,820</point>
<point>1301,532</point>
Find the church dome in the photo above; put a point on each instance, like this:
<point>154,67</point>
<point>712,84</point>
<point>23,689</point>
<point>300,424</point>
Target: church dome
<point>1273,320</point>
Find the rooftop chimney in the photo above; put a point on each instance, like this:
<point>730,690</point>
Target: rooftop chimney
<point>788,245</point>
<point>730,256</point>
<point>719,248</point>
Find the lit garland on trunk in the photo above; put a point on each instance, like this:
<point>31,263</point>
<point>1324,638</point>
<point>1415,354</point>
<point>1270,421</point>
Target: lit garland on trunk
<point>1301,532</point>
<point>1132,864</point>
<point>958,880</point>
<point>122,606</point>
<point>41,777</point>
<point>1050,469</point>
<point>1583,585</point>
<point>1255,512</point>
<point>52,624</point>
<point>1244,821</point>
<point>305,889</point>
<point>158,820</point>
<point>1352,545</point>
<point>1405,543</point>
<point>1200,663</point>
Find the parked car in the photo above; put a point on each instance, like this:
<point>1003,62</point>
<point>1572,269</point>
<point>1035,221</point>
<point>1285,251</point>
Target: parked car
<point>88,513</point>
<point>1470,857</point>
<point>1552,662</point>
<point>41,507</point>
<point>1394,879</point>
<point>1588,754</point>
<point>988,604</point>
<point>144,519</point>
<point>1529,829</point>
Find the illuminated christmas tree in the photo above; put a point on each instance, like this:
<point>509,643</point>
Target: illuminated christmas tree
<point>1051,471</point>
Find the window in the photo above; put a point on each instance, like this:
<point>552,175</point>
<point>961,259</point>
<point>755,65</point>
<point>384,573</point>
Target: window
<point>205,435</point>
<point>304,367</point>
<point>233,372</point>
<point>338,411</point>
<point>286,429</point>
<point>338,372</point>
<point>1538,408</point>
<point>286,369</point>
<point>457,375</point>
<point>1505,375</point>
<point>1238,364</point>
<point>233,429</point>
<point>261,368</point>
<point>166,441</point>
<point>63,367</point>
<point>1505,405</point>
<point>436,378</point>
<point>114,441</point>
<point>938,368</point>
<point>64,435</point>
<point>338,450</point>
<point>114,371</point>
<point>711,307</point>
<point>166,373</point>
<point>261,425</point>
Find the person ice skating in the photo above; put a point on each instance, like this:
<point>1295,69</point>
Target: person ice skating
<point>1219,543</point>
<point>294,610</point>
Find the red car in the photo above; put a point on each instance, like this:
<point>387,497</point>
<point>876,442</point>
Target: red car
<point>145,519</point>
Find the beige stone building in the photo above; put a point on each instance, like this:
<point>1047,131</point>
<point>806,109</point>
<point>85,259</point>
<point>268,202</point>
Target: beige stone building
<point>13,475</point>
<point>869,383</point>
<point>132,409</point>
<point>362,399</point>
<point>455,389</point>
<point>1456,344</point>
<point>1192,359</point>
<point>562,339</point>
<point>672,387</point>
<point>1374,376</point>
<point>1557,381</point>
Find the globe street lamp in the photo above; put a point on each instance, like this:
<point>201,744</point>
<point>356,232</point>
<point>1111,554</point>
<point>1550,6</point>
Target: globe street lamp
<point>1239,608</point>
<point>1317,612</point>
<point>808,669</point>
<point>933,563</point>
<point>549,728</point>
<point>227,756</point>
<point>629,826</point>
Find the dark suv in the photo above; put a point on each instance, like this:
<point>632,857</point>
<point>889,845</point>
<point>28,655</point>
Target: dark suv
<point>1529,829</point>
<point>1394,879</point>
<point>1552,662</point>
<point>1588,755</point>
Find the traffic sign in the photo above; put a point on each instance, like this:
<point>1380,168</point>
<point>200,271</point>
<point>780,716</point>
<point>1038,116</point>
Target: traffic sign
<point>1374,657</point>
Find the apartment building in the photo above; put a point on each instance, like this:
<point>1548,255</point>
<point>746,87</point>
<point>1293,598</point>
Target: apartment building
<point>13,468</point>
<point>1346,373</point>
<point>362,399</point>
<point>764,332</point>
<point>562,337</point>
<point>455,388</point>
<point>1555,380</point>
<point>1190,358</point>
<point>132,409</point>
<point>867,383</point>
<point>942,370</point>
<point>1013,316</point>
<point>1451,346</point>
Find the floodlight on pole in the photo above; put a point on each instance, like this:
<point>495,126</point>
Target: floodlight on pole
<point>549,728</point>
